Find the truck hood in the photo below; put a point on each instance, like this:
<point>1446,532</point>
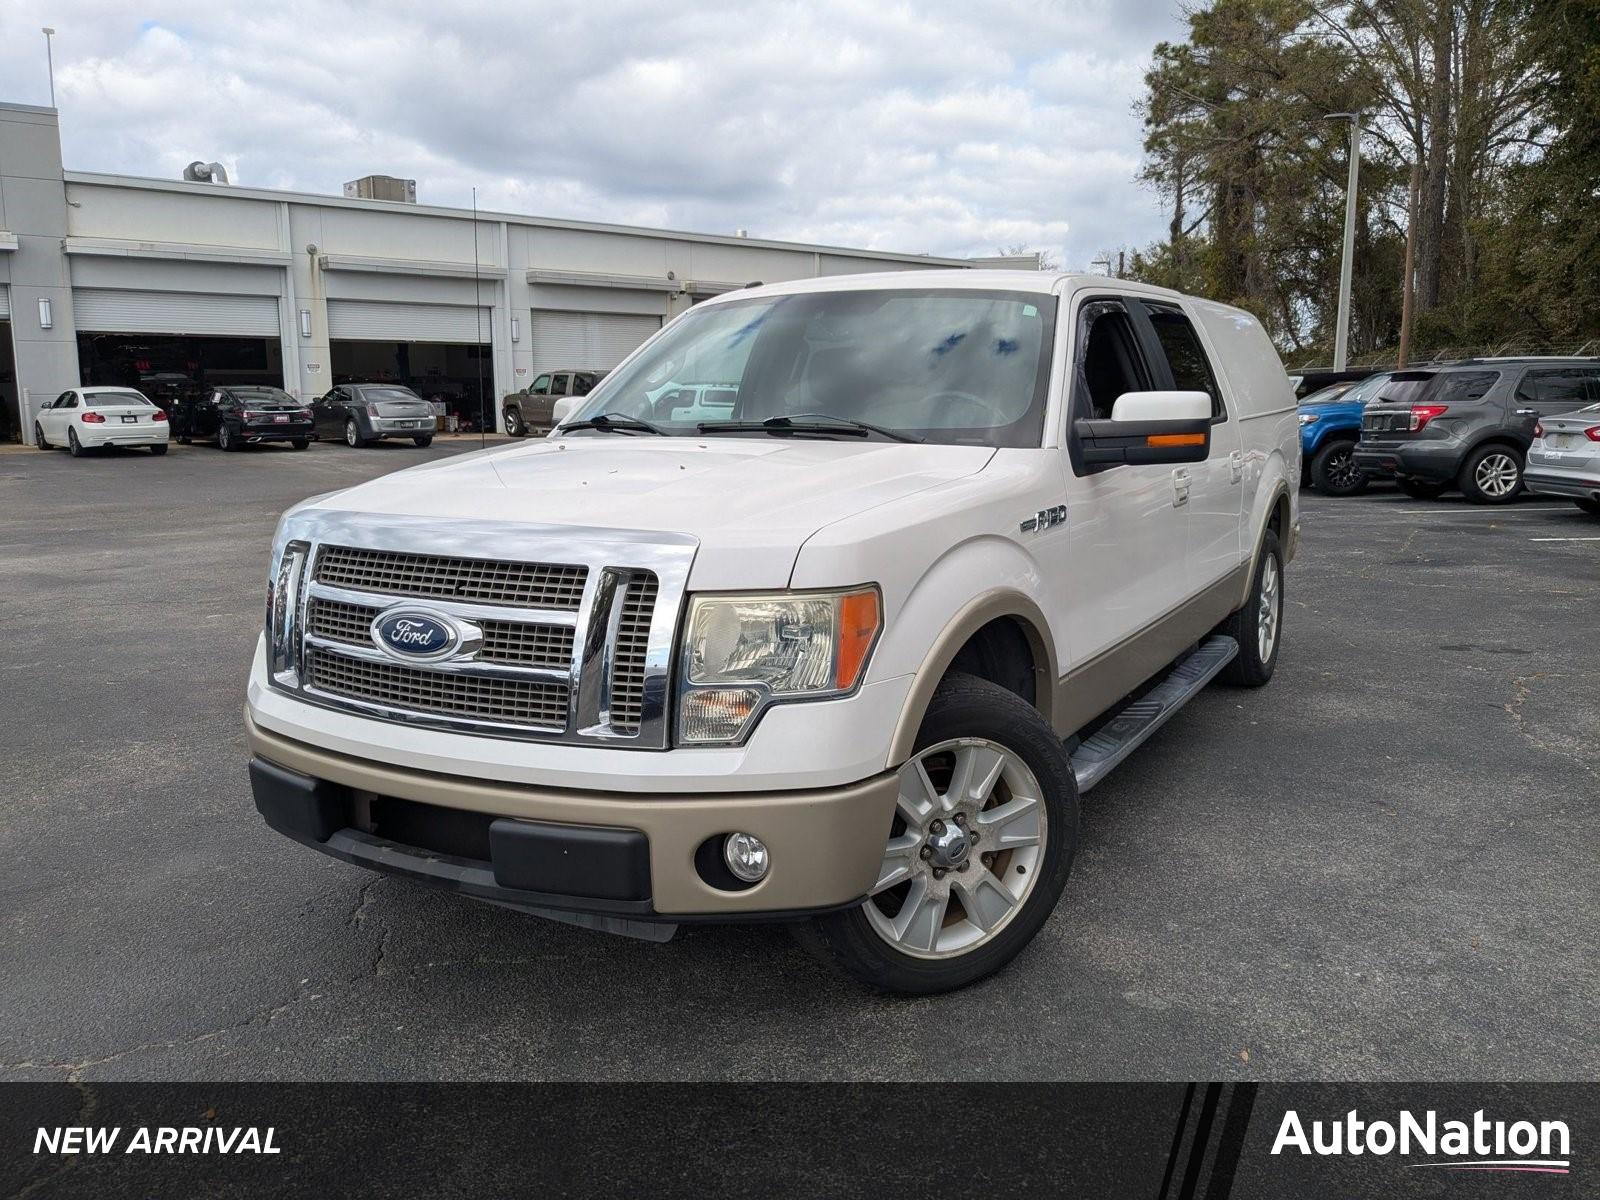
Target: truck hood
<point>750,502</point>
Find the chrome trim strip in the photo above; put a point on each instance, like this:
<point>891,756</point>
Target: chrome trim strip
<point>610,556</point>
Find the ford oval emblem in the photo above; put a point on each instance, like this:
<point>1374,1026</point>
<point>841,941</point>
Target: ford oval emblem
<point>415,634</point>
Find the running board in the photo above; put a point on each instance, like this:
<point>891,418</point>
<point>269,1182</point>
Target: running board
<point>1125,732</point>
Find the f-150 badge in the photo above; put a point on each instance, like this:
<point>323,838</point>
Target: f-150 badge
<point>1045,518</point>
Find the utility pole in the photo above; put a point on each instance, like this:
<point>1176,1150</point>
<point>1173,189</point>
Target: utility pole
<point>1341,335</point>
<point>50,62</point>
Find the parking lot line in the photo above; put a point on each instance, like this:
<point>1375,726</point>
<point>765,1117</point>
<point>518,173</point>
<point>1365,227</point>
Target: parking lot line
<point>1566,539</point>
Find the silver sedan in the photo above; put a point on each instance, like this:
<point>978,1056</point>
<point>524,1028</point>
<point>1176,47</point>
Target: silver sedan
<point>1564,459</point>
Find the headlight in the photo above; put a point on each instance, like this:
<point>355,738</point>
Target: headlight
<point>1310,418</point>
<point>742,653</point>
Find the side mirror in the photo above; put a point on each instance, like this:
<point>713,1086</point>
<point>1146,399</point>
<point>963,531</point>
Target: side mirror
<point>1147,427</point>
<point>562,409</point>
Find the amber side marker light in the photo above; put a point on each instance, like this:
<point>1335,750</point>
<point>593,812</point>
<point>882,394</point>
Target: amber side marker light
<point>858,626</point>
<point>1175,439</point>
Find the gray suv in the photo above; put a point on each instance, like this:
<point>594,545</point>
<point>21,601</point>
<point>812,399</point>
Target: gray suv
<point>1468,424</point>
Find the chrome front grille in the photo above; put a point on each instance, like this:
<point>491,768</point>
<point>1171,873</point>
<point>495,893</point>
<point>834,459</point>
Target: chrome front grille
<point>630,644</point>
<point>565,635</point>
<point>415,689</point>
<point>484,581</point>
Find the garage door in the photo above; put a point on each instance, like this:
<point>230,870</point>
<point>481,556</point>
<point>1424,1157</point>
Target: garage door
<point>115,310</point>
<point>586,340</point>
<point>382,321</point>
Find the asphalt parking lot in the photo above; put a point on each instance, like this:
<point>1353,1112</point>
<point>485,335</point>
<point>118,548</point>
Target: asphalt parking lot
<point>1384,866</point>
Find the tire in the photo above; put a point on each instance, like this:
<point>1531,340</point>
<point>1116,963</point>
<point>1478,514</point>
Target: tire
<point>225,439</point>
<point>352,434</point>
<point>978,723</point>
<point>424,442</point>
<point>514,423</point>
<point>1422,489</point>
<point>74,446</point>
<point>38,438</point>
<point>158,451</point>
<point>299,443</point>
<point>1592,507</point>
<point>184,439</point>
<point>1334,471</point>
<point>1492,474</point>
<point>1249,626</point>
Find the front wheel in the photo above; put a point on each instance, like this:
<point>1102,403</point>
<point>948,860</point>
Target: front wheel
<point>982,842</point>
<point>514,425</point>
<point>1334,471</point>
<point>1258,626</point>
<point>1492,475</point>
<point>1421,489</point>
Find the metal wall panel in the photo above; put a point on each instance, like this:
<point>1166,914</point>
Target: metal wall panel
<point>588,341</point>
<point>5,302</point>
<point>381,321</point>
<point>115,310</point>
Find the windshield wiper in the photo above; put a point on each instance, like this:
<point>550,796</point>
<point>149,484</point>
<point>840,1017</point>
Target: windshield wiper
<point>806,423</point>
<point>609,422</point>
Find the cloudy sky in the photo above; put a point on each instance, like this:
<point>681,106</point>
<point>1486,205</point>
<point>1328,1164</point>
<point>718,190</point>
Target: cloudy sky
<point>947,128</point>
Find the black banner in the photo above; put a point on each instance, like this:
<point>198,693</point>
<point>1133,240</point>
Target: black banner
<point>1162,1141</point>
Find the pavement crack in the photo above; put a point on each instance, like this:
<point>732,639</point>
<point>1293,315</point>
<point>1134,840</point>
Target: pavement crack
<point>1521,690</point>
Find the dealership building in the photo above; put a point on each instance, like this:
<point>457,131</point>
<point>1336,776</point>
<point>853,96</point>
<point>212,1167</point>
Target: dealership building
<point>168,284</point>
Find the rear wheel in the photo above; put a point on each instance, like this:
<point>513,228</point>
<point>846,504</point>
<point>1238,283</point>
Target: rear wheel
<point>514,425</point>
<point>1258,626</point>
<point>1421,489</point>
<point>424,442</point>
<point>1592,507</point>
<point>980,847</point>
<point>1334,471</point>
<point>1492,475</point>
<point>74,445</point>
<point>352,434</point>
<point>299,443</point>
<point>158,451</point>
<point>38,438</point>
<point>225,438</point>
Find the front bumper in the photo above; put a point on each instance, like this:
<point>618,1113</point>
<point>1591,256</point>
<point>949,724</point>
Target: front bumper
<point>1438,461</point>
<point>630,856</point>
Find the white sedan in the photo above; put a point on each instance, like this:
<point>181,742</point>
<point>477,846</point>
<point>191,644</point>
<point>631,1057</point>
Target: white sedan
<point>89,417</point>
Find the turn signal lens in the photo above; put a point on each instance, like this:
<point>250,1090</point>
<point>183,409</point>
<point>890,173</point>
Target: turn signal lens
<point>94,418</point>
<point>1175,439</point>
<point>858,625</point>
<point>717,714</point>
<point>1421,414</point>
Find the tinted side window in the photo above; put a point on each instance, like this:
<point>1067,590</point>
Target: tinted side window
<point>541,386</point>
<point>1191,369</point>
<point>563,386</point>
<point>1463,387</point>
<point>1109,362</point>
<point>1559,391</point>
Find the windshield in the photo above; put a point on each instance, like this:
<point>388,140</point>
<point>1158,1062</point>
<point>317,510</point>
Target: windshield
<point>953,366</point>
<point>391,395</point>
<point>113,399</point>
<point>264,396</point>
<point>1327,395</point>
<point>1365,391</point>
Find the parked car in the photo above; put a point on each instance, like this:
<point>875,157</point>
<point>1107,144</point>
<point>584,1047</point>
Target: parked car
<point>1314,379</point>
<point>844,657</point>
<point>530,410</point>
<point>1330,423</point>
<point>363,413</point>
<point>88,418</point>
<point>246,415</point>
<point>1564,459</point>
<point>1468,424</point>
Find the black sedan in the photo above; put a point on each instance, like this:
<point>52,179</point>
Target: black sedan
<point>242,416</point>
<point>363,413</point>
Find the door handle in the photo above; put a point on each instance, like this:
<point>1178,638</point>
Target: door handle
<point>1236,466</point>
<point>1180,488</point>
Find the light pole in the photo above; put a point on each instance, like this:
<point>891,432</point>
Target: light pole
<point>1341,333</point>
<point>50,61</point>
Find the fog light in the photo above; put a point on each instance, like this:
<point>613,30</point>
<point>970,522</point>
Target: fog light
<point>746,856</point>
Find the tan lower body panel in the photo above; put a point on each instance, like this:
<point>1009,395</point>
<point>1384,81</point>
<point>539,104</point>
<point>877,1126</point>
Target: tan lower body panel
<point>826,846</point>
<point>1089,690</point>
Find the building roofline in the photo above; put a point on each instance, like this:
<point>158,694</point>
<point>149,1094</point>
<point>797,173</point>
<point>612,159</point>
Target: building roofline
<point>279,196</point>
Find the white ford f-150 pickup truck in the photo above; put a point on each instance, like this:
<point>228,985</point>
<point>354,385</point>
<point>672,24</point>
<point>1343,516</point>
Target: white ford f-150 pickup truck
<point>838,642</point>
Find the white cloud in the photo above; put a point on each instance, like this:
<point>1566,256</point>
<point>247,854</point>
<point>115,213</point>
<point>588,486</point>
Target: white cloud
<point>941,126</point>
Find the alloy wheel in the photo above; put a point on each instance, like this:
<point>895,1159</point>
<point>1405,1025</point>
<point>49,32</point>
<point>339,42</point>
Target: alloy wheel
<point>352,436</point>
<point>1342,470</point>
<point>1497,475</point>
<point>964,852</point>
<point>1268,611</point>
<point>38,437</point>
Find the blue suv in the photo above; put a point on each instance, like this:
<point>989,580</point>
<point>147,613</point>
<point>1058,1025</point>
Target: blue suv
<point>1330,424</point>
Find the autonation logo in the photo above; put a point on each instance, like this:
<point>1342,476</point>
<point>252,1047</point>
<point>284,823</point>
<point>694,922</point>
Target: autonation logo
<point>1476,1145</point>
